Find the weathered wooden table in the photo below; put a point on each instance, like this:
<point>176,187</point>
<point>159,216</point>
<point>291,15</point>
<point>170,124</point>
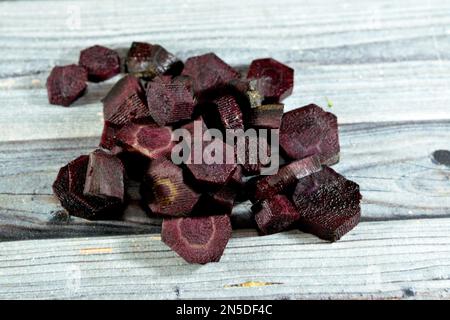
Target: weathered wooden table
<point>384,66</point>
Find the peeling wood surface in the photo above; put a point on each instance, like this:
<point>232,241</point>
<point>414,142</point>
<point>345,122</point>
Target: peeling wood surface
<point>385,68</point>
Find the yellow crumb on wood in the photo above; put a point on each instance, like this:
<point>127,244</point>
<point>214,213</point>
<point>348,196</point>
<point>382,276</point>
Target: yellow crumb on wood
<point>96,250</point>
<point>251,284</point>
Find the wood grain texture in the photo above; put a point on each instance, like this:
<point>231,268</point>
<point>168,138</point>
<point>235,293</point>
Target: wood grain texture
<point>392,163</point>
<point>385,67</point>
<point>378,61</point>
<point>397,259</point>
<point>398,180</point>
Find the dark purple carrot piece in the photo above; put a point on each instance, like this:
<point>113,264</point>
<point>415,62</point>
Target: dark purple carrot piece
<point>225,198</point>
<point>208,72</point>
<point>275,214</point>
<point>267,116</point>
<point>236,179</point>
<point>229,112</point>
<point>250,88</point>
<point>125,102</point>
<point>220,201</point>
<point>148,139</point>
<point>100,62</point>
<point>197,239</point>
<point>135,163</point>
<point>104,176</point>
<point>328,203</point>
<point>204,174</point>
<point>310,131</point>
<point>190,126</point>
<point>277,79</point>
<point>65,84</point>
<point>249,155</point>
<point>212,174</point>
<point>147,60</point>
<point>216,202</point>
<point>108,138</point>
<point>76,169</point>
<point>170,101</point>
<point>69,187</point>
<point>169,194</point>
<point>270,185</point>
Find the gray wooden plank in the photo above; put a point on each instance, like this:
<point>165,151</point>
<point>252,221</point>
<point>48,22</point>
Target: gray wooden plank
<point>378,61</point>
<point>395,259</point>
<point>390,161</point>
<point>393,165</point>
